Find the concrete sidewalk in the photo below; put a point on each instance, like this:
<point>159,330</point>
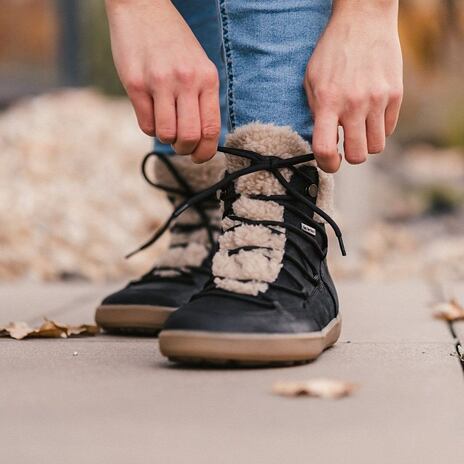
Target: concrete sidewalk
<point>118,401</point>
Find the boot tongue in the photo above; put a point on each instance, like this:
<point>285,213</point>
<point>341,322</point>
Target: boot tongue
<point>250,254</point>
<point>267,140</point>
<point>190,242</point>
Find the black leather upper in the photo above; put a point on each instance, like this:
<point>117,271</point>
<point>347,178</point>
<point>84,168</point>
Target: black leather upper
<point>163,291</point>
<point>275,311</point>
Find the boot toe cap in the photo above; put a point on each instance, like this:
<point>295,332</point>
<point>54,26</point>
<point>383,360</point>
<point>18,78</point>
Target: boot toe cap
<point>146,294</point>
<point>232,316</point>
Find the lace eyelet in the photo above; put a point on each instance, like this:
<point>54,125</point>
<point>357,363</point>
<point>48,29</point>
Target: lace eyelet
<point>312,190</point>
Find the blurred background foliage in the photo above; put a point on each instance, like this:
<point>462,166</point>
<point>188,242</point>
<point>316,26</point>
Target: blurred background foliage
<point>432,34</point>
<point>97,49</point>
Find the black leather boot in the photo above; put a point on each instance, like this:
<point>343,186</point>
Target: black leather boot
<point>271,299</point>
<point>144,304</point>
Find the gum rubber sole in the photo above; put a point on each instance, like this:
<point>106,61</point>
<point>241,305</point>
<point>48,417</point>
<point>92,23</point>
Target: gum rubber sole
<point>229,349</point>
<point>132,319</point>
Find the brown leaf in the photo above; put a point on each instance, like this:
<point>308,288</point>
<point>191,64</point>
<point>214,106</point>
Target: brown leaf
<point>320,388</point>
<point>48,329</point>
<point>84,329</point>
<point>449,311</point>
<point>17,330</point>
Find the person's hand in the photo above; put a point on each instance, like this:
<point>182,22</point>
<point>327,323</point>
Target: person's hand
<point>171,83</point>
<point>354,79</point>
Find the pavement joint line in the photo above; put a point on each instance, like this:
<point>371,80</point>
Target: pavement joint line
<point>457,345</point>
<point>437,289</point>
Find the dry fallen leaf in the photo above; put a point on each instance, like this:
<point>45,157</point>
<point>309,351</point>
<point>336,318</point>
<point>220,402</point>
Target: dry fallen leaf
<point>449,311</point>
<point>16,330</point>
<point>48,329</point>
<point>74,330</point>
<point>320,388</point>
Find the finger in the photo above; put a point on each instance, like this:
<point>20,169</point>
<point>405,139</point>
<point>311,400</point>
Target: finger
<point>324,144</point>
<point>188,124</point>
<point>165,117</point>
<point>210,116</point>
<point>392,113</point>
<point>143,107</point>
<point>375,128</point>
<point>355,139</point>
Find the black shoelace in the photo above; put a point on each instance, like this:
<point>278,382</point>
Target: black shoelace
<point>184,190</point>
<point>273,165</point>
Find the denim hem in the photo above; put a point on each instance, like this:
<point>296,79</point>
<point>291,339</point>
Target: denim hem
<point>228,62</point>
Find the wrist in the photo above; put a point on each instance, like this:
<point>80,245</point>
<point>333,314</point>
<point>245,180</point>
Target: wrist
<point>386,8</point>
<point>136,3</point>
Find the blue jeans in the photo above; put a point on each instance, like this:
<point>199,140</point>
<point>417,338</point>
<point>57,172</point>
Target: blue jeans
<point>261,49</point>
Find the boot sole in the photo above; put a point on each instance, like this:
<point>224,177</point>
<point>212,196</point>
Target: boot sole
<point>132,319</point>
<point>202,347</point>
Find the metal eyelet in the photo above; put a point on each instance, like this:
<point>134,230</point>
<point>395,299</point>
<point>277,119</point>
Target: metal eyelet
<point>312,190</point>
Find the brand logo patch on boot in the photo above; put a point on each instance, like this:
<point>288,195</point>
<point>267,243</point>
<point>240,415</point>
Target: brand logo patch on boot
<point>308,229</point>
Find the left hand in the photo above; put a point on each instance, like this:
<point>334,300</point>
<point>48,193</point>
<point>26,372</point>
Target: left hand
<point>355,79</point>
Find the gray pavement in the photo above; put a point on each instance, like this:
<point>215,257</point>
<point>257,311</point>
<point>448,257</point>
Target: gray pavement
<point>118,401</point>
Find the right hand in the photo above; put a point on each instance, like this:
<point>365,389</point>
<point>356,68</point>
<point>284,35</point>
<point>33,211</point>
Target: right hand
<point>171,83</point>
